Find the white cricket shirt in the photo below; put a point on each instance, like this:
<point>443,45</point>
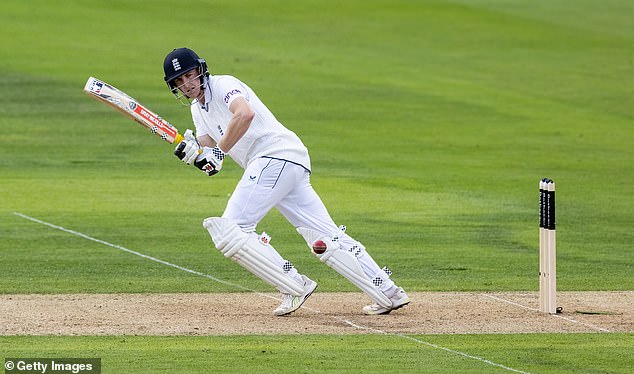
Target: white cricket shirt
<point>266,137</point>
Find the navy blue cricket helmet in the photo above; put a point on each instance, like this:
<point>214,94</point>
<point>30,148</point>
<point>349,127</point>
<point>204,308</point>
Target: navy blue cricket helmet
<point>179,62</point>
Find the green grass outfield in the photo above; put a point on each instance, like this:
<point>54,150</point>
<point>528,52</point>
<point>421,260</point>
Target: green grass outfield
<point>539,353</point>
<point>429,123</point>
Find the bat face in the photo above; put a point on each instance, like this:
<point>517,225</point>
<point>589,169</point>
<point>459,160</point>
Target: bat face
<point>131,108</point>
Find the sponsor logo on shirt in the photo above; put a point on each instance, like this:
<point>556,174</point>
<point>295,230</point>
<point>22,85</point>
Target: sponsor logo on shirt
<point>229,94</point>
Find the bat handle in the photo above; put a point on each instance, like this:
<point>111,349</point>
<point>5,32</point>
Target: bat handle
<point>179,138</point>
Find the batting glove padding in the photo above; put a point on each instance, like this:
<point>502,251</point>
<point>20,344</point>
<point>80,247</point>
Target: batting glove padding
<point>188,149</point>
<point>210,160</point>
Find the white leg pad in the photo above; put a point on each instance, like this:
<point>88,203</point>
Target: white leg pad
<point>344,263</point>
<point>246,250</point>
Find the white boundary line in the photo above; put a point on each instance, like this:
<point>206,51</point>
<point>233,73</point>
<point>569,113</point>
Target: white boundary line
<point>341,319</point>
<point>594,327</point>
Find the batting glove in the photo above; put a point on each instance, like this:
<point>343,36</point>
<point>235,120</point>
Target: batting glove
<point>210,160</point>
<point>188,149</point>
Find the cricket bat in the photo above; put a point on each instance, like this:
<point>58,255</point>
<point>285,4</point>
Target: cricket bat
<point>131,108</point>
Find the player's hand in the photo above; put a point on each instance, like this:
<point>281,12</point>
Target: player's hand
<point>210,160</point>
<point>188,149</point>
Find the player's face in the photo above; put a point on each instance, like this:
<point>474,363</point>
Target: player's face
<point>189,85</point>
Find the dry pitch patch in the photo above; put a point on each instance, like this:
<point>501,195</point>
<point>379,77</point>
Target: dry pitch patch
<point>324,313</point>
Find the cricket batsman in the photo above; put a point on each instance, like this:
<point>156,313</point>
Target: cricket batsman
<point>230,120</point>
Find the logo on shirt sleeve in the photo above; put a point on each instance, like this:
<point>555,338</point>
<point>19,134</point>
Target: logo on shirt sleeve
<point>231,93</point>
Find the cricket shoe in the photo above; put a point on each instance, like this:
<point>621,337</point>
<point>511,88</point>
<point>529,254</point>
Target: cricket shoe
<point>399,299</point>
<point>291,303</point>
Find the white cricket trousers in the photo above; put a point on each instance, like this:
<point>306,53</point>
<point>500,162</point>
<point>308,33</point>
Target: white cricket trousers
<point>268,183</point>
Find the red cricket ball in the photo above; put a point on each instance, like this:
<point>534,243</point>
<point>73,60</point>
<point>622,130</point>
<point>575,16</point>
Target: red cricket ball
<point>319,247</point>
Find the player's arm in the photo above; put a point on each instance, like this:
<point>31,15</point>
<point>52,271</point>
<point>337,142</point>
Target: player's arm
<point>212,153</point>
<point>208,155</point>
<point>206,141</point>
<point>237,127</point>
<point>239,123</point>
<point>210,160</point>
